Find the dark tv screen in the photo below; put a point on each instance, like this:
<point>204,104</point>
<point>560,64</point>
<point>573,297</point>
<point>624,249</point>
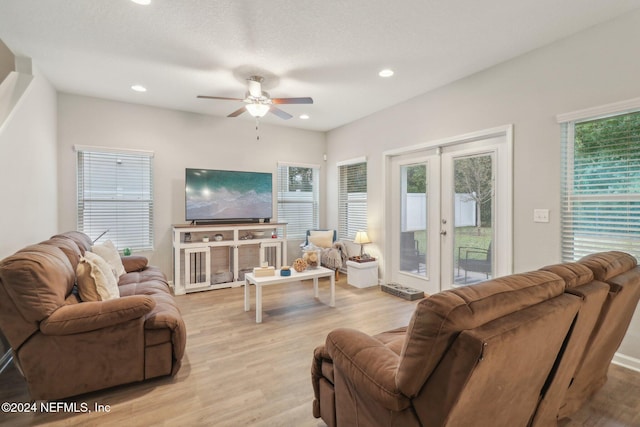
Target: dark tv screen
<point>221,195</point>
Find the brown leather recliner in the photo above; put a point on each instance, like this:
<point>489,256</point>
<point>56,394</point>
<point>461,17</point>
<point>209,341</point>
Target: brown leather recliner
<point>622,274</point>
<point>65,347</point>
<point>478,355</point>
<point>609,284</point>
<point>579,281</point>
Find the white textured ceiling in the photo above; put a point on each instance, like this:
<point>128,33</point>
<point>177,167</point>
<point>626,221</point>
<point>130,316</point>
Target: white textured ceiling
<point>330,50</point>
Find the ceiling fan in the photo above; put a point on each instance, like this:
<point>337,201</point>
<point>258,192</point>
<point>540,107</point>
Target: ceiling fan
<point>259,103</point>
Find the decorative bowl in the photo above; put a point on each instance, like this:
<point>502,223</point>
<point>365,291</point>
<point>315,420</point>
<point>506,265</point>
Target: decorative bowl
<point>259,233</point>
<point>285,271</point>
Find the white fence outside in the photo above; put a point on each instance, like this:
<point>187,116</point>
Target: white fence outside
<point>415,214</point>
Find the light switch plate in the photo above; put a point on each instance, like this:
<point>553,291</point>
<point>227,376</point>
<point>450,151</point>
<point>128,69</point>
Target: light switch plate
<point>541,215</point>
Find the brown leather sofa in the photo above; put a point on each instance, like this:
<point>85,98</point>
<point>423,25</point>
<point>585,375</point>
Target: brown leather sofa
<point>64,346</point>
<point>579,281</point>
<point>619,274</point>
<point>524,349</point>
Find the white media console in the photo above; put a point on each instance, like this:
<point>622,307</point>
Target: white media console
<point>217,256</point>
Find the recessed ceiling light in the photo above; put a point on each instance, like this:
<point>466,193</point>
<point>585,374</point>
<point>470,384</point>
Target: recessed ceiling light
<point>139,88</point>
<point>142,2</point>
<point>386,73</point>
<point>304,116</point>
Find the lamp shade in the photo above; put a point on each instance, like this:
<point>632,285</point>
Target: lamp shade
<point>361,238</point>
<point>258,110</point>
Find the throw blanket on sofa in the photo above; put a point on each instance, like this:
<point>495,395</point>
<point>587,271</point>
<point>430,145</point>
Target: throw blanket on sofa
<point>335,256</point>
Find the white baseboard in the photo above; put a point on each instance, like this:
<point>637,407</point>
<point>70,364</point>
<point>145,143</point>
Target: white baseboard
<point>626,362</point>
<point>173,288</point>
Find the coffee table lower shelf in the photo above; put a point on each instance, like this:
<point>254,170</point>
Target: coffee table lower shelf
<point>259,282</point>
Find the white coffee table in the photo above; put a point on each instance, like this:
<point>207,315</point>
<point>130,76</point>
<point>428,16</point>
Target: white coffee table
<point>259,282</point>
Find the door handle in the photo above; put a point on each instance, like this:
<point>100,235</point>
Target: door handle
<point>443,232</point>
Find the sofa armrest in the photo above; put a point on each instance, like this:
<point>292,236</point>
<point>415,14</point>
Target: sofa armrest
<point>134,263</point>
<point>320,356</point>
<point>90,316</point>
<point>369,365</point>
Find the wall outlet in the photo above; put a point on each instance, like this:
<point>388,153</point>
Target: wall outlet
<point>541,215</point>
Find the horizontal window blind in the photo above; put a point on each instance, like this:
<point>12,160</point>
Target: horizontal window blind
<point>352,199</point>
<point>115,197</point>
<point>298,198</point>
<point>601,185</point>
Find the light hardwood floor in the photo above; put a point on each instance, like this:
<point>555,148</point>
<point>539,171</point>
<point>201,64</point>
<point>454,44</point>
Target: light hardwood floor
<point>239,373</point>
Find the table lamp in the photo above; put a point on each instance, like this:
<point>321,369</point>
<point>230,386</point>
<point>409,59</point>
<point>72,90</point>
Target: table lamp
<point>361,239</point>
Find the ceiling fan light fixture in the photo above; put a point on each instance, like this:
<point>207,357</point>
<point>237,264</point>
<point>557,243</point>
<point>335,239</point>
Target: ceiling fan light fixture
<point>258,110</point>
<point>258,102</point>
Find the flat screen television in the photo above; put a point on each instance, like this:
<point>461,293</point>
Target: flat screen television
<point>225,196</point>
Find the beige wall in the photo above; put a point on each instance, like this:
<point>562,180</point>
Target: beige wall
<point>28,170</point>
<point>592,68</point>
<point>179,140</point>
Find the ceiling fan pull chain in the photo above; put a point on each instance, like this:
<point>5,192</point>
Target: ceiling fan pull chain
<point>257,132</point>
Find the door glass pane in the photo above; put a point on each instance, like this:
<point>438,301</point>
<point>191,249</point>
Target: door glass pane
<point>413,219</point>
<point>473,208</point>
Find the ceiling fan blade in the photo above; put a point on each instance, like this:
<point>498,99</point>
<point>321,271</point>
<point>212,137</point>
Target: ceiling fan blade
<point>238,112</point>
<point>278,112</point>
<point>220,97</point>
<point>306,100</point>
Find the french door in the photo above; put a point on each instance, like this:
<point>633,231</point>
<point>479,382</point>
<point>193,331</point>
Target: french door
<point>449,212</point>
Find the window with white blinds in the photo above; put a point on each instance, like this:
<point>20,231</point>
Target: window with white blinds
<point>352,198</point>
<point>601,185</point>
<point>298,198</point>
<point>115,196</point>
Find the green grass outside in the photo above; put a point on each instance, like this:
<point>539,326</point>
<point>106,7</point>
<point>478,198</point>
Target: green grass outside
<point>472,237</point>
<point>465,236</point>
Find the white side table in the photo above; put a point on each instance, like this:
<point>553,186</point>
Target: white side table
<point>362,274</point>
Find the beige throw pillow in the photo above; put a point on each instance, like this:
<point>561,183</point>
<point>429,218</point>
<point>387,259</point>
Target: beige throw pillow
<point>109,253</point>
<point>322,239</point>
<point>95,279</point>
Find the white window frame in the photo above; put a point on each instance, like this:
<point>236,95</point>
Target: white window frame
<point>129,223</point>
<point>352,208</point>
<point>305,212</point>
<point>572,248</point>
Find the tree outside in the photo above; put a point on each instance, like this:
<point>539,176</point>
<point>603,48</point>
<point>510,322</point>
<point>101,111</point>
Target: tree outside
<point>473,177</point>
<point>607,155</point>
<point>300,179</point>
